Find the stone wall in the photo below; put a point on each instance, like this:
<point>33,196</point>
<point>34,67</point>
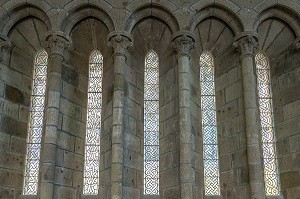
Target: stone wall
<point>16,85</point>
<point>216,26</point>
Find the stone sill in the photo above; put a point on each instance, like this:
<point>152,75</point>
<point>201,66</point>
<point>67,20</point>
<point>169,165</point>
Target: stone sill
<point>275,197</point>
<point>28,197</point>
<point>213,197</point>
<point>151,197</point>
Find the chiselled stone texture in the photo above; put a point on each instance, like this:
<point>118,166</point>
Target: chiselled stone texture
<point>124,31</point>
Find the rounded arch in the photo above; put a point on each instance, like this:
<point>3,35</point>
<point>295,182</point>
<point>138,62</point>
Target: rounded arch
<point>152,11</point>
<point>221,13</point>
<point>15,15</point>
<point>283,13</point>
<point>83,12</point>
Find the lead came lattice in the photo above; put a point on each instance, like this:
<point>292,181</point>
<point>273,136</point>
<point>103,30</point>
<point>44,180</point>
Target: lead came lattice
<point>267,125</point>
<point>93,125</point>
<point>151,125</point>
<point>209,125</point>
<point>35,126</point>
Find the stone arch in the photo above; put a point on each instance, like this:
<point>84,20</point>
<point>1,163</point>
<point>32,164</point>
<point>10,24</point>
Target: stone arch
<point>152,11</point>
<point>283,13</point>
<point>84,12</point>
<point>15,15</point>
<point>221,13</point>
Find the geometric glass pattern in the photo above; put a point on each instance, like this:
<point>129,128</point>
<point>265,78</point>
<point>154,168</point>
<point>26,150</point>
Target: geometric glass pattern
<point>93,125</point>
<point>35,126</point>
<point>209,125</point>
<point>267,126</point>
<point>151,125</point>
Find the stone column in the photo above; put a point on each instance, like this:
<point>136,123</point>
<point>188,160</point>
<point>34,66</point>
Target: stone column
<point>183,43</point>
<point>56,44</point>
<point>5,46</point>
<point>119,41</point>
<point>246,45</point>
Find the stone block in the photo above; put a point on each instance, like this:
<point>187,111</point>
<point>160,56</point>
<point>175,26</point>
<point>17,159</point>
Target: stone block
<point>13,127</point>
<point>74,94</point>
<point>24,113</point>
<point>66,141</point>
<point>69,75</point>
<point>18,145</point>
<point>73,161</point>
<point>10,178</point>
<point>133,160</point>
<point>132,142</point>
<point>4,141</point>
<point>234,91</point>
<point>63,176</point>
<point>16,95</point>
<point>7,193</point>
<point>169,178</point>
<point>10,76</point>
<point>227,111</point>
<point>77,179</point>
<point>290,179</point>
<point>70,109</point>
<point>9,109</point>
<point>79,146</point>
<point>130,177</point>
<point>229,144</point>
<point>64,192</point>
<point>131,192</point>
<point>12,161</point>
<point>171,192</point>
<point>288,128</point>
<point>294,142</point>
<point>291,110</point>
<point>73,127</point>
<point>239,159</point>
<point>283,146</point>
<point>169,160</point>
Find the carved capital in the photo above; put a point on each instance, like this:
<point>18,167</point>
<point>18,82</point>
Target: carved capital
<point>5,44</point>
<point>57,42</point>
<point>297,43</point>
<point>246,45</point>
<point>120,41</point>
<point>183,43</point>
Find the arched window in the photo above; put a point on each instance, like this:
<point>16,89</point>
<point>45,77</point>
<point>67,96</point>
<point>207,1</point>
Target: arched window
<point>151,125</point>
<point>35,126</point>
<point>93,125</point>
<point>267,125</point>
<point>209,125</point>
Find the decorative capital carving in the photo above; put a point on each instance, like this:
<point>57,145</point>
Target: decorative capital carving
<point>5,44</point>
<point>297,43</point>
<point>57,42</point>
<point>183,43</point>
<point>246,45</point>
<point>120,41</point>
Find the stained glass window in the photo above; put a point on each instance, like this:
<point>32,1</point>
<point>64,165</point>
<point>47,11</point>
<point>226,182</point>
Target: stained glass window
<point>267,125</point>
<point>209,125</point>
<point>93,125</point>
<point>35,126</point>
<point>151,125</point>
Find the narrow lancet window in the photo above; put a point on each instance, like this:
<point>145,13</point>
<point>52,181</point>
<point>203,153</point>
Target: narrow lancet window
<point>93,125</point>
<point>209,125</point>
<point>35,126</point>
<point>151,125</point>
<point>267,125</point>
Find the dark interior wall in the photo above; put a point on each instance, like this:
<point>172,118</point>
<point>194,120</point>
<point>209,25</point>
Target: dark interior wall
<point>153,34</point>
<point>27,38</point>
<point>216,37</point>
<point>277,42</point>
<point>88,35</point>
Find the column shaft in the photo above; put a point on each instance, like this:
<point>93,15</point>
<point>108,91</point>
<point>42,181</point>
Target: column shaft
<point>56,44</point>
<point>119,43</point>
<point>183,44</point>
<point>255,162</point>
